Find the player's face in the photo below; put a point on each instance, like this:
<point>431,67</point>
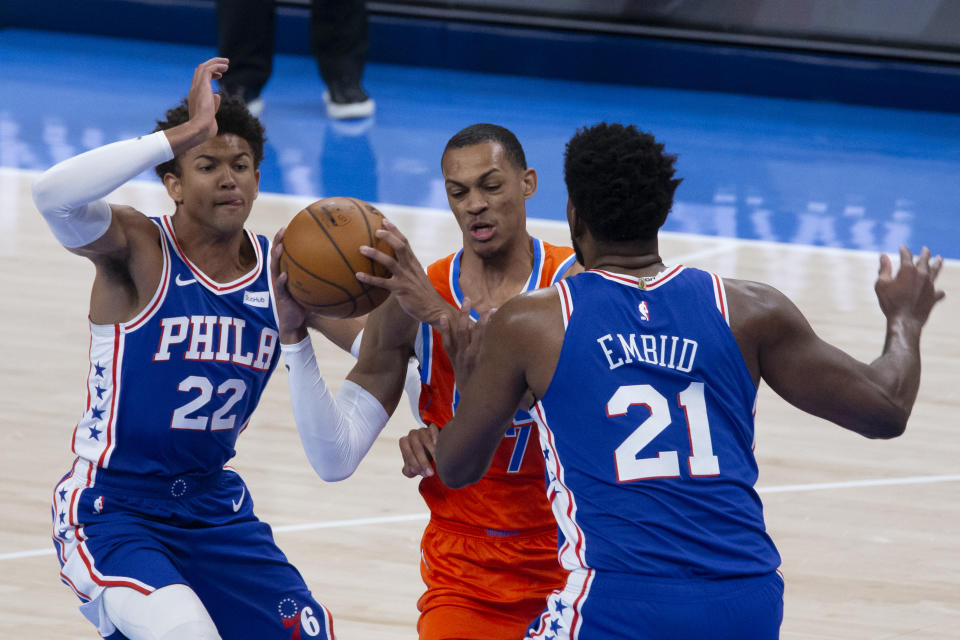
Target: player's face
<point>217,183</point>
<point>487,195</point>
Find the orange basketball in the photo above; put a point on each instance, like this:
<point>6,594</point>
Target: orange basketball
<point>321,254</point>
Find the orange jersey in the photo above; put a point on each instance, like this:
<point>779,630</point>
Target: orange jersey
<point>511,497</point>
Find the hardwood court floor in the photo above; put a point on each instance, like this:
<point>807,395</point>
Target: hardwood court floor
<point>867,530</point>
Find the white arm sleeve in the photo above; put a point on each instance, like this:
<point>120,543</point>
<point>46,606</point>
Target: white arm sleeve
<point>411,383</point>
<point>336,432</point>
<point>69,194</point>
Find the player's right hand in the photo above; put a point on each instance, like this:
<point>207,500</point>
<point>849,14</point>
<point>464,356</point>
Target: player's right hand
<point>418,448</point>
<point>408,282</point>
<point>202,102</point>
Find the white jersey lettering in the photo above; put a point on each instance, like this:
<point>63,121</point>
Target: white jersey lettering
<point>649,349</point>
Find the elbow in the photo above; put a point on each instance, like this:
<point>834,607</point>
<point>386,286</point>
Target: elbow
<point>887,430</point>
<point>331,468</point>
<point>43,195</point>
<point>889,425</point>
<point>454,476</point>
<point>333,475</point>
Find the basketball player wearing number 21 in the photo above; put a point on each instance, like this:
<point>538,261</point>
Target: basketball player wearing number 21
<point>645,378</point>
<point>157,538</point>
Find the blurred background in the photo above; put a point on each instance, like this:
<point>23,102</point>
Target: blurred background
<point>822,122</point>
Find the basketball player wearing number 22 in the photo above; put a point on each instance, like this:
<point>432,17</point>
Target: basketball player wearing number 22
<point>154,534</point>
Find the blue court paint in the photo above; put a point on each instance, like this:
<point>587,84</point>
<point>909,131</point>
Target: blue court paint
<point>764,168</point>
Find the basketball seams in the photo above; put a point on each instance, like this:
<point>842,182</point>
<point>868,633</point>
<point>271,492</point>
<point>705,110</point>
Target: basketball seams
<point>338,292</point>
<point>330,238</point>
<point>350,297</point>
<point>373,263</point>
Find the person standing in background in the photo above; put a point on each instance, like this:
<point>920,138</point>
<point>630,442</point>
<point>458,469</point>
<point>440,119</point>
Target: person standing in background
<point>339,37</point>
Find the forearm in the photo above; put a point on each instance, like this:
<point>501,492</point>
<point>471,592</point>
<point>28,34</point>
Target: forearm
<point>69,194</point>
<point>336,433</point>
<point>342,332</point>
<point>897,370</point>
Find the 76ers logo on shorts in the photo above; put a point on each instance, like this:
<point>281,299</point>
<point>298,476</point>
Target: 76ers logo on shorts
<point>305,622</point>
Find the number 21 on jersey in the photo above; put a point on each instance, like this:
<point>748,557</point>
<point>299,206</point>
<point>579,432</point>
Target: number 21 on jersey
<point>630,466</point>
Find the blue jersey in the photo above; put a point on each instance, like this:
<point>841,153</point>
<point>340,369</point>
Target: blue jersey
<point>647,431</point>
<point>169,391</point>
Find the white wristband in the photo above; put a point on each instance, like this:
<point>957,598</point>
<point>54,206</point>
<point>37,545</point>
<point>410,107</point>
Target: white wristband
<point>336,433</point>
<point>69,194</point>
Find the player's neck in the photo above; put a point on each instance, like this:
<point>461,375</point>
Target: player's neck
<point>627,258</point>
<point>223,256</point>
<point>491,280</point>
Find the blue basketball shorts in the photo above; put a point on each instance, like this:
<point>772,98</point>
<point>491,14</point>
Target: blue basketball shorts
<point>604,606</point>
<point>123,530</point>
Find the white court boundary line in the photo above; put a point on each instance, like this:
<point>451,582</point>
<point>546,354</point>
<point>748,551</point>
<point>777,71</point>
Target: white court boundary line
<point>333,524</point>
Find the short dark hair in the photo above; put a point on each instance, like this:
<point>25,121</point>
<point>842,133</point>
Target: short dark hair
<point>232,117</point>
<point>484,132</point>
<point>620,181</point>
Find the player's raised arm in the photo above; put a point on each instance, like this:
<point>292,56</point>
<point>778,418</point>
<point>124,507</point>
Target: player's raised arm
<point>873,399</point>
<point>70,194</point>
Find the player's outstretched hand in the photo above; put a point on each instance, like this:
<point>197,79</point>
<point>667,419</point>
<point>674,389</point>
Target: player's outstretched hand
<point>291,315</point>
<point>910,294</point>
<point>418,448</point>
<point>462,340</point>
<point>408,281</point>
<point>202,102</point>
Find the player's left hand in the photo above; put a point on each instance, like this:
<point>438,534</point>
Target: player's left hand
<point>408,282</point>
<point>291,316</point>
<point>418,448</point>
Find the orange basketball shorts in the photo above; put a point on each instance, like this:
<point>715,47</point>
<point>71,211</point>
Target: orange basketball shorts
<point>484,584</point>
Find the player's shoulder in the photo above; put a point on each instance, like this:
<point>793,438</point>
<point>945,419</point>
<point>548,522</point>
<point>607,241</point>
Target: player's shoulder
<point>756,303</point>
<point>133,219</point>
<point>441,266</point>
<point>752,291</point>
<point>560,261</point>
<point>129,234</point>
<point>556,249</point>
<point>531,310</point>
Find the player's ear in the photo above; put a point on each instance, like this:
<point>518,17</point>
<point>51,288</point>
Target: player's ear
<point>174,187</point>
<point>528,183</point>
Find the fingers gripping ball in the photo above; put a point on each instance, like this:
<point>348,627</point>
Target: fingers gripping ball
<point>321,255</point>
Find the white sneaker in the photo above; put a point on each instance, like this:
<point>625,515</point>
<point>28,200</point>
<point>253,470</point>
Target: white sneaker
<point>348,110</point>
<point>255,107</point>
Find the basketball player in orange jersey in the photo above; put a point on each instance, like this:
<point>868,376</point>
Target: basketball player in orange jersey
<point>489,553</point>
